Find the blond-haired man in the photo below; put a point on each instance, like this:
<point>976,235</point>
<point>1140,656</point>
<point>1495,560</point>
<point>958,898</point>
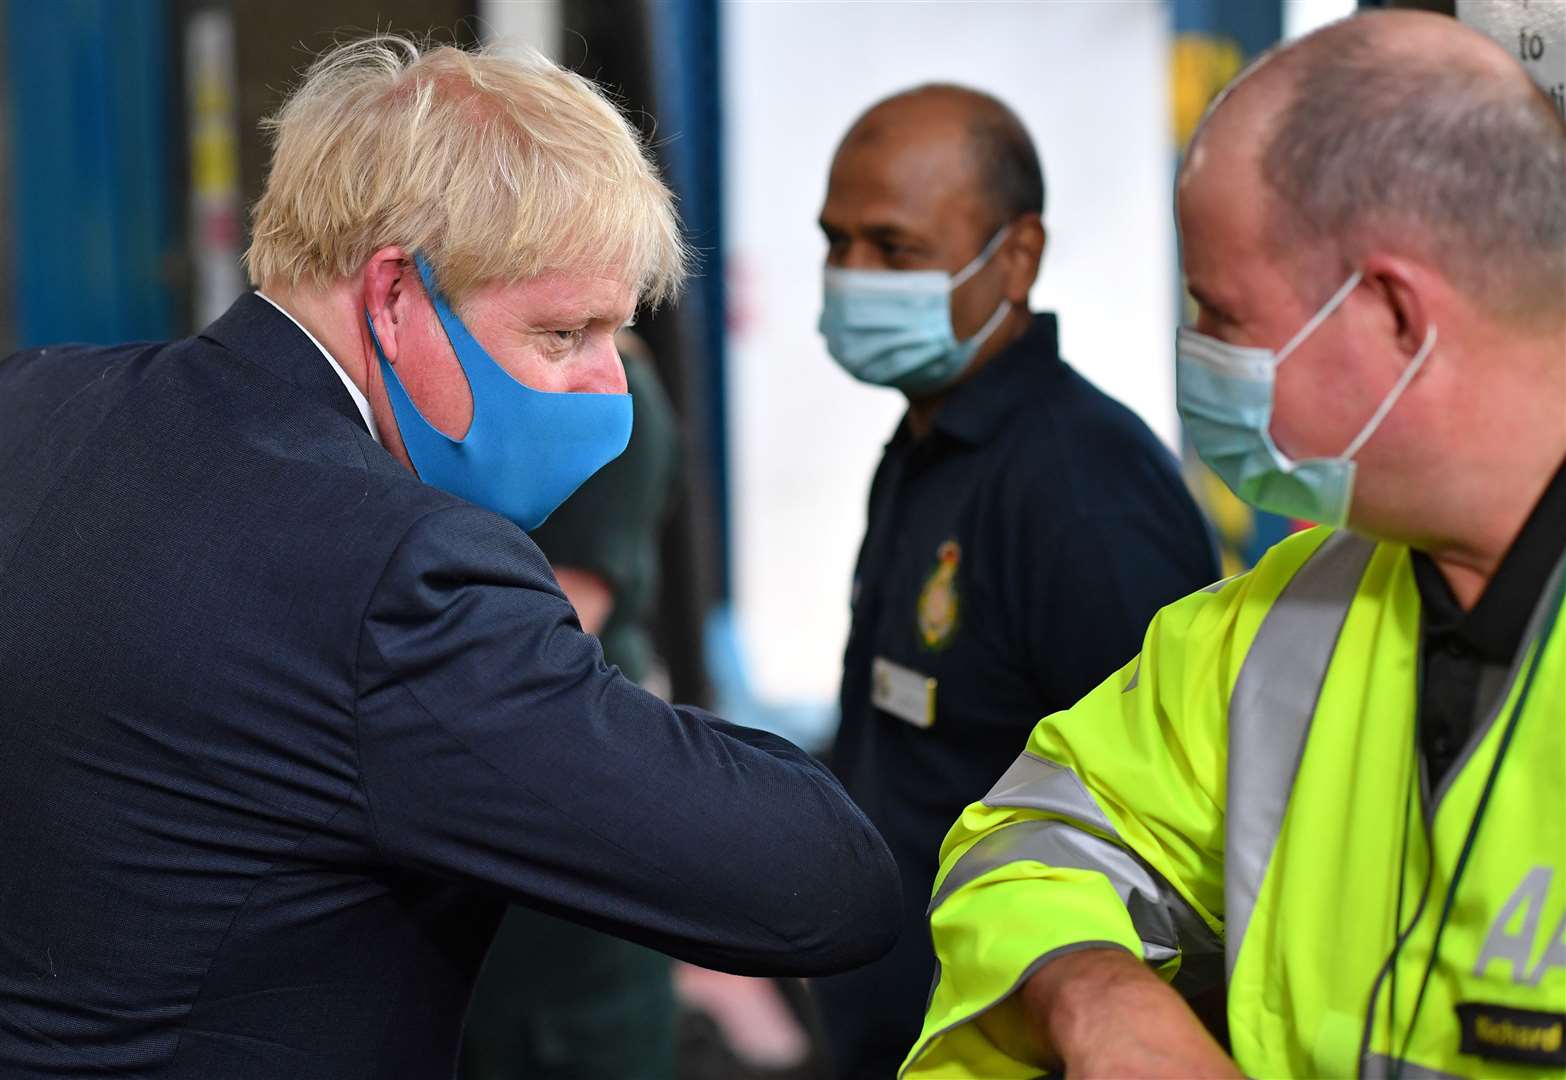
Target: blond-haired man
<point>289,704</point>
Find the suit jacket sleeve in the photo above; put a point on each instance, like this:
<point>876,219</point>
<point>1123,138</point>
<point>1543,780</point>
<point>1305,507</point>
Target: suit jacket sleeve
<point>496,746</point>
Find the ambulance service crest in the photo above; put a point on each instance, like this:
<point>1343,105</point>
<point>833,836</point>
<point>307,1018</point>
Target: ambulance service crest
<point>938,601</point>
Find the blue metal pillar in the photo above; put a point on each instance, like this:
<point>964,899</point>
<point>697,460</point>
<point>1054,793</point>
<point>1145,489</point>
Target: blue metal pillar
<point>92,178</point>
<point>689,94</point>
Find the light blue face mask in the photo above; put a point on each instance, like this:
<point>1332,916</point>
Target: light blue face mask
<point>894,327</point>
<point>526,450</point>
<point>1225,397</point>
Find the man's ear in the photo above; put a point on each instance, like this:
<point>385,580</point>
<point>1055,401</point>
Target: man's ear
<point>389,284</point>
<point>1023,252</point>
<point>1407,290</point>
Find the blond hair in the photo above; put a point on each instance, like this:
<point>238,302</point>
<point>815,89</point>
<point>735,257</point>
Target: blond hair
<point>495,168</point>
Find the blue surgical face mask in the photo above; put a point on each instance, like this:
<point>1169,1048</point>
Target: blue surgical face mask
<point>894,327</point>
<point>526,450</point>
<point>1225,396</point>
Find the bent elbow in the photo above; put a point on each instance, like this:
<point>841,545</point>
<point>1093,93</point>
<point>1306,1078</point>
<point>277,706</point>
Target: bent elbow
<point>870,932</point>
<point>857,916</point>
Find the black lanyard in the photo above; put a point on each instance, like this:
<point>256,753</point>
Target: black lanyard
<point>1462,859</point>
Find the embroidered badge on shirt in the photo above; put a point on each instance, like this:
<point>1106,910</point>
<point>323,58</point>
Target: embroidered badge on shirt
<point>938,601</point>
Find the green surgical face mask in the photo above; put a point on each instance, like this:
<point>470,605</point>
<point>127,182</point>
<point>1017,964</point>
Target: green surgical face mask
<point>1225,396</point>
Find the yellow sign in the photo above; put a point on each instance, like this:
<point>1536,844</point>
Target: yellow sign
<point>1199,66</point>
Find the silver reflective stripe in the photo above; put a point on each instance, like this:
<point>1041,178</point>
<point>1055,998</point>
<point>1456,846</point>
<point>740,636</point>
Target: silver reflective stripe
<point>1270,711</point>
<point>1033,782</point>
<point>1055,843</point>
<point>1381,1067</point>
<point>1163,921</point>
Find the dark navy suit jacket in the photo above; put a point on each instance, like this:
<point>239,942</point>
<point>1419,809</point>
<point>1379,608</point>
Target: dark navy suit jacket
<point>282,729</point>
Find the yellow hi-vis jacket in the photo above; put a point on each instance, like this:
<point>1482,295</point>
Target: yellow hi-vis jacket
<point>1246,801</point>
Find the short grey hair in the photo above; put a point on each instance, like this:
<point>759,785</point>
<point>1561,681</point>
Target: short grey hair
<point>1464,167</point>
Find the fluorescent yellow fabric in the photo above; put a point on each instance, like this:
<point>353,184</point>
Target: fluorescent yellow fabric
<point>1150,745</point>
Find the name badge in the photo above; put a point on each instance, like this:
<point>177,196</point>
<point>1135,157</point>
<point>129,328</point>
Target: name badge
<point>1501,1033</point>
<point>903,692</point>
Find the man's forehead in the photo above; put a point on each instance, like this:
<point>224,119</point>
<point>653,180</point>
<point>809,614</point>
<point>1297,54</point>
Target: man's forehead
<point>1222,170</point>
<point>903,173</point>
<point>1221,207</point>
<point>571,295</point>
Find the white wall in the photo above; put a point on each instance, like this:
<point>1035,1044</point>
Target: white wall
<point>533,23</point>
<point>1300,17</point>
<point>1089,79</point>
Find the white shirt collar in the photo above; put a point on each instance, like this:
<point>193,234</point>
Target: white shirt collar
<point>353,391</point>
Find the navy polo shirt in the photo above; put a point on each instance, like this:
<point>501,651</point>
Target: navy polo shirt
<point>1014,555</point>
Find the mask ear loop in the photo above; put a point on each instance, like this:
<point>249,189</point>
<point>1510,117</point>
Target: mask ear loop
<point>981,259</point>
<point>1391,399</point>
<point>1321,316</point>
<point>443,310</point>
<point>977,340</point>
<point>979,262</point>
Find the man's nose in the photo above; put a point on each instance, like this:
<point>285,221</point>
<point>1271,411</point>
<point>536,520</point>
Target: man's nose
<point>603,373</point>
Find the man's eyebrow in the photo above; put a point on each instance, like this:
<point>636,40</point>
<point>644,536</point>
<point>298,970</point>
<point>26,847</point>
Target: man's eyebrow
<point>874,229</point>
<point>878,231</point>
<point>890,232</point>
<point>566,313</point>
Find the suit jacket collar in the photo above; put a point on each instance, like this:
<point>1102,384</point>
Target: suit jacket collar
<point>267,338</point>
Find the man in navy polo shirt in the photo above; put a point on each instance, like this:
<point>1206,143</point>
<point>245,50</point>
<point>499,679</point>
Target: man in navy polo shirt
<point>1023,526</point>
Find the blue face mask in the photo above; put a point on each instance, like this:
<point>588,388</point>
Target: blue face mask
<point>1225,396</point>
<point>894,327</point>
<point>526,450</point>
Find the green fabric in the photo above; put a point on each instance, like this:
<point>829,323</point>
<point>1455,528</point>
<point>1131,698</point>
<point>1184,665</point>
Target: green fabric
<point>557,1001</point>
<point>610,525</point>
